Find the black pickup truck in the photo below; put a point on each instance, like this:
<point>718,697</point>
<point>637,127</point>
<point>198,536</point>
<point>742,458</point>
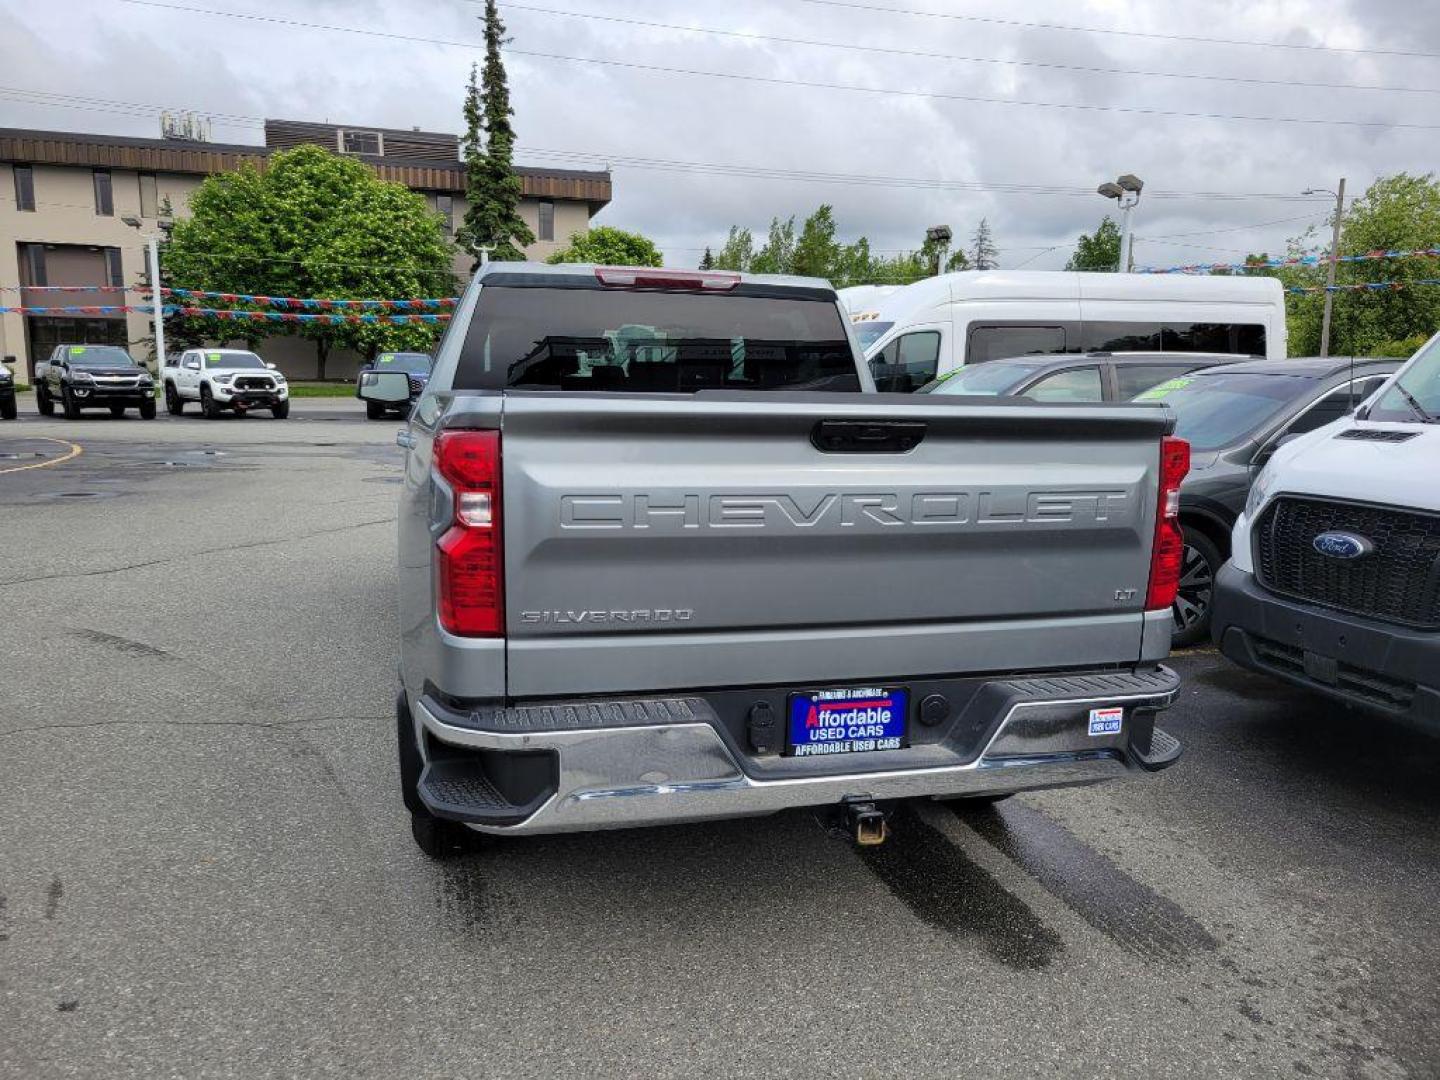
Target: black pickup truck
<point>7,394</point>
<point>91,377</point>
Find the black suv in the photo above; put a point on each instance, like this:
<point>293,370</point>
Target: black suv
<point>93,377</point>
<point>7,394</point>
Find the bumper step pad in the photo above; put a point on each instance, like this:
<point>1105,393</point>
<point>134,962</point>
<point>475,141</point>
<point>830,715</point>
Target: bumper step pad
<point>1164,751</point>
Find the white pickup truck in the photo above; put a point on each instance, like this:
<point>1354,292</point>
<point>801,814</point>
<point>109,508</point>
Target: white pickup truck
<point>665,555</point>
<point>1334,578</point>
<point>224,380</point>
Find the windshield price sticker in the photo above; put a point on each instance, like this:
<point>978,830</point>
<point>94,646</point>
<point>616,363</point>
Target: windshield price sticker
<point>847,721</point>
<point>1157,393</point>
<point>77,350</point>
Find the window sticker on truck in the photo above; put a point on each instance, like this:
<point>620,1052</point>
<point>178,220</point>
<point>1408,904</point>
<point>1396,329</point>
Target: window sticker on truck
<point>1159,393</point>
<point>1106,721</point>
<point>847,721</point>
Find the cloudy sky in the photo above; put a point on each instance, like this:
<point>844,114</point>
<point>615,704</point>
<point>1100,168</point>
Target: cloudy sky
<point>951,110</point>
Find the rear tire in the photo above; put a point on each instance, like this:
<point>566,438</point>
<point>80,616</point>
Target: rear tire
<point>68,403</point>
<point>374,411</point>
<point>174,404</point>
<point>8,409</point>
<point>207,403</point>
<point>1200,563</point>
<point>436,837</point>
<point>147,409</point>
<point>43,401</point>
<point>280,411</point>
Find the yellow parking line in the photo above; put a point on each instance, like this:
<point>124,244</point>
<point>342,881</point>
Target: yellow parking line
<point>75,451</point>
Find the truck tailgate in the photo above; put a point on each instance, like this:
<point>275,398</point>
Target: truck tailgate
<point>708,540</point>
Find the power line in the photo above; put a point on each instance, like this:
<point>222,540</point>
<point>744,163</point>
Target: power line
<point>743,170</point>
<point>996,21</point>
<point>1234,228</point>
<point>771,80</point>
<point>921,54</point>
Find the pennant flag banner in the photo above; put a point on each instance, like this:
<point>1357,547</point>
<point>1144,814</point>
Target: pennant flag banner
<point>77,309</point>
<point>1299,260</point>
<point>337,319</point>
<point>71,288</point>
<point>1369,286</point>
<point>313,303</point>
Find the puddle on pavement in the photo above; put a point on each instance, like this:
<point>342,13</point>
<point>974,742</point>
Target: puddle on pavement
<point>1132,915</point>
<point>942,886</point>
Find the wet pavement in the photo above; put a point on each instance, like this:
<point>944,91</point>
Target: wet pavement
<point>205,870</point>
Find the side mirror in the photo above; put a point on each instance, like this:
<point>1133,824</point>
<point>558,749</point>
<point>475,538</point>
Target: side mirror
<point>384,387</point>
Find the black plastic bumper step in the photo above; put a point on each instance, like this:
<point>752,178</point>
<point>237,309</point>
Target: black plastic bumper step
<point>1164,751</point>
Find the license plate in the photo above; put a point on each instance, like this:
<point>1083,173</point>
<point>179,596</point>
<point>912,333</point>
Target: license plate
<point>847,721</point>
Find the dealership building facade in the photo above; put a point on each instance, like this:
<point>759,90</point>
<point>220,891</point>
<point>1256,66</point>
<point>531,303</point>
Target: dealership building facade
<point>65,198</point>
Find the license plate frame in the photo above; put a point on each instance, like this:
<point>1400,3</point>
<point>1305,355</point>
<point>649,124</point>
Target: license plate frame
<point>881,734</point>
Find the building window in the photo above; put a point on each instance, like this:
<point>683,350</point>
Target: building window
<point>361,142</point>
<point>547,220</point>
<point>149,196</point>
<point>24,187</point>
<point>114,272</point>
<point>104,195</point>
<point>445,207</point>
<point>32,265</point>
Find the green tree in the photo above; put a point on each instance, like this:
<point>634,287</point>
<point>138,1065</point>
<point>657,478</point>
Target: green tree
<point>958,261</point>
<point>609,246</point>
<point>707,261</point>
<point>313,224</point>
<point>1099,252</point>
<point>492,188</point>
<point>816,253</point>
<point>738,251</point>
<point>983,252</point>
<point>1397,213</point>
<point>778,254</point>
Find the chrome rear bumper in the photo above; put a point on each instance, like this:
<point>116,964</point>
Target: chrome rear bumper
<point>661,773</point>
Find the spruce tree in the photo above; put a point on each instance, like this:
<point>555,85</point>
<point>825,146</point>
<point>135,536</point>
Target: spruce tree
<point>492,189</point>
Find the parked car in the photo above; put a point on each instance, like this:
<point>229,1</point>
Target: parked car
<point>224,379</point>
<point>942,323</point>
<point>1096,376</point>
<point>415,365</point>
<point>7,394</point>
<point>1334,584</point>
<point>94,376</point>
<point>735,602</point>
<point>1234,418</point>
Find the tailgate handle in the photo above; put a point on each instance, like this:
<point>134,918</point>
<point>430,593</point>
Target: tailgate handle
<point>867,436</point>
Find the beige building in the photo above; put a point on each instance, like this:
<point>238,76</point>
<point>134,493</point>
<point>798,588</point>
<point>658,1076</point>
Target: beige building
<point>64,198</point>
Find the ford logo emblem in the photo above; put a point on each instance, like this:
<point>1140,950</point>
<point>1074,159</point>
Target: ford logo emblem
<point>1342,545</point>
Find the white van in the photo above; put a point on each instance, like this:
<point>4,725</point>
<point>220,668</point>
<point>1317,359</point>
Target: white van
<point>930,328</point>
<point>865,297</point>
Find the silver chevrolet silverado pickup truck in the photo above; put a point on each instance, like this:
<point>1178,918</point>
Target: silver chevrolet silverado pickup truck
<point>666,556</point>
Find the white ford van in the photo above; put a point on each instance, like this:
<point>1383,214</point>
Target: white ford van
<point>924,330</point>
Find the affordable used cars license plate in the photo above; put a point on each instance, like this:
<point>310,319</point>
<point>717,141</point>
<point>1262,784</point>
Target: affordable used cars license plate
<point>847,721</point>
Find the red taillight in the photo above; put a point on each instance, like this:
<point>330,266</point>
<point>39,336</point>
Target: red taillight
<point>1167,556</point>
<point>643,277</point>
<point>470,582</point>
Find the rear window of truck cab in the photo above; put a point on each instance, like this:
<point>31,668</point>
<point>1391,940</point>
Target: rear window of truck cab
<point>579,337</point>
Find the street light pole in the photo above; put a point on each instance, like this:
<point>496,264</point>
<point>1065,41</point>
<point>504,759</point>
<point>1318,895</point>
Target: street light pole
<point>152,245</point>
<point>1330,273</point>
<point>1126,193</point>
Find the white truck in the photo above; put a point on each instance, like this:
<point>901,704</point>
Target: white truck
<point>221,380</point>
<point>1334,577</point>
<point>915,334</point>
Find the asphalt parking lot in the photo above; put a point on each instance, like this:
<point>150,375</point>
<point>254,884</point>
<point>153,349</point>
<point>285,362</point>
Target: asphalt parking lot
<point>205,870</point>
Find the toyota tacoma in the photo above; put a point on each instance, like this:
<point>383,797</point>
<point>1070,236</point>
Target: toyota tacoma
<point>666,556</point>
